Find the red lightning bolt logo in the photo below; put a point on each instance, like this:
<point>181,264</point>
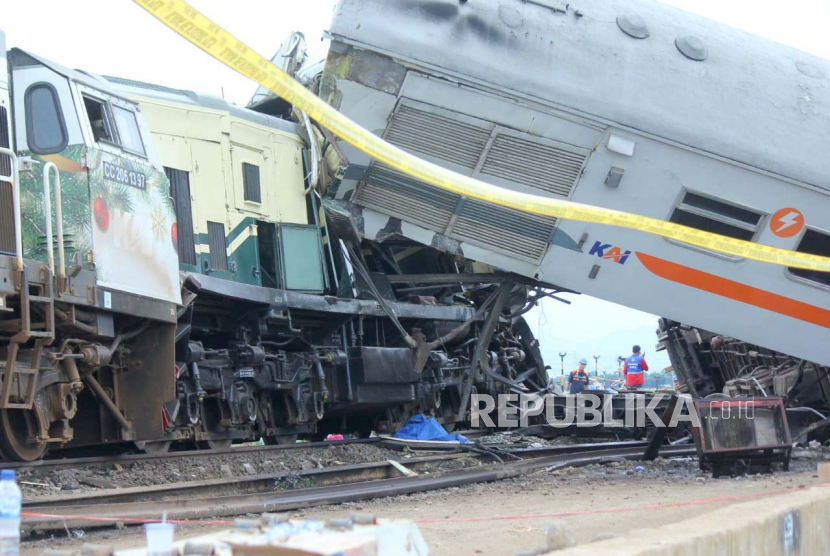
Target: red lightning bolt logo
<point>787,222</point>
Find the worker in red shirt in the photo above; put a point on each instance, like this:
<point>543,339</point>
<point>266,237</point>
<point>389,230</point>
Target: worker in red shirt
<point>634,368</point>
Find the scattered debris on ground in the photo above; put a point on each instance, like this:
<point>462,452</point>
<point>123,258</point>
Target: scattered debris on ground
<point>538,442</point>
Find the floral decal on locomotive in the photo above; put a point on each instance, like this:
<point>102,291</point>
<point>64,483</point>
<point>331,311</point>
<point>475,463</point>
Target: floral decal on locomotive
<point>117,215</point>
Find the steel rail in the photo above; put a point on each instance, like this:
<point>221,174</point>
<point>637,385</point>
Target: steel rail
<point>326,476</point>
<point>59,517</point>
<point>104,461</point>
<point>228,486</point>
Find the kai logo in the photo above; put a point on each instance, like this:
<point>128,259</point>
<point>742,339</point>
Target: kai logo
<point>608,251</point>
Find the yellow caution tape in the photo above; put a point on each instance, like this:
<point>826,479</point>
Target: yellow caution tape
<point>217,42</point>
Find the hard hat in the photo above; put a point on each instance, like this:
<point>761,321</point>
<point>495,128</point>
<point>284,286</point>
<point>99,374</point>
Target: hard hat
<point>583,361</point>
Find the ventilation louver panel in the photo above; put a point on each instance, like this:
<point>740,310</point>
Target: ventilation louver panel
<point>541,166</point>
<point>218,246</point>
<point>180,192</point>
<point>462,141</point>
<point>6,218</point>
<point>394,193</point>
<point>251,183</point>
<point>7,243</point>
<point>507,230</point>
<point>426,134</point>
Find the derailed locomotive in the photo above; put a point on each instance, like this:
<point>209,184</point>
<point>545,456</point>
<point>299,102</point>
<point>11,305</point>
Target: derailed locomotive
<point>203,291</point>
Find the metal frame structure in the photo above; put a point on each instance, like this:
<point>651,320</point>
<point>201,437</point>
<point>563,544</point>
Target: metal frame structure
<point>747,457</point>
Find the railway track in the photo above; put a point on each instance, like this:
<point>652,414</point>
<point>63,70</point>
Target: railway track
<point>107,460</point>
<point>350,483</point>
<point>104,461</point>
<point>321,477</point>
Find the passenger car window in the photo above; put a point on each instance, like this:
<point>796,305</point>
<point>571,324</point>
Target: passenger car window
<point>711,215</point>
<point>128,131</point>
<point>814,243</point>
<point>45,127</point>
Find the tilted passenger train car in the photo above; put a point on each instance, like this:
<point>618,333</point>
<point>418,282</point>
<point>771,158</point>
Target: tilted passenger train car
<point>168,273</point>
<point>635,106</point>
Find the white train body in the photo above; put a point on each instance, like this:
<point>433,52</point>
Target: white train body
<point>697,123</point>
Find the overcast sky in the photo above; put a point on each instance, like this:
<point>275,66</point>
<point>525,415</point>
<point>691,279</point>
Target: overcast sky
<point>116,37</point>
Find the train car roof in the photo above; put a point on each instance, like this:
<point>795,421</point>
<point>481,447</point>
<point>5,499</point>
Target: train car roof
<point>751,100</point>
<point>20,58</point>
<point>121,87</point>
<point>160,92</point>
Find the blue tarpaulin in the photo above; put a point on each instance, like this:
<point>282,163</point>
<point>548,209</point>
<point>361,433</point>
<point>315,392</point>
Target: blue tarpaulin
<point>421,427</point>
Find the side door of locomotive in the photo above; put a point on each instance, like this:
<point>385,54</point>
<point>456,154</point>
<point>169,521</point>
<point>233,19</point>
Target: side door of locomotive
<point>132,214</point>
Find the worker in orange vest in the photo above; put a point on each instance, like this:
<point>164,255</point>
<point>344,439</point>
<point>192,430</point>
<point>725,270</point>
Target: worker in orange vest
<point>578,379</point>
<point>634,368</point>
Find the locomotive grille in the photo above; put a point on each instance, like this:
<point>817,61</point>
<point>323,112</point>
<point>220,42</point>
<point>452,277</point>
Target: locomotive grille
<point>180,191</point>
<point>250,182</point>
<point>552,169</point>
<point>423,133</point>
<point>6,191</point>
<point>391,191</point>
<point>482,149</point>
<point>519,233</point>
<point>217,245</point>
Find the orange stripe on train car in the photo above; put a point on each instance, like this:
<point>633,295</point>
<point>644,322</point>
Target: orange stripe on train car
<point>736,291</point>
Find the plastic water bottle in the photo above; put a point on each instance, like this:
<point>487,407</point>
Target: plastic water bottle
<point>10,502</point>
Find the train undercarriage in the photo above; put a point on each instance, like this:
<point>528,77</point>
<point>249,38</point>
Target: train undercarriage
<point>237,363</point>
<point>711,364</point>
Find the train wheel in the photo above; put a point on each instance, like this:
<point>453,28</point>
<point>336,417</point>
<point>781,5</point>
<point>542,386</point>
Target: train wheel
<point>210,423</point>
<point>17,426</point>
<point>159,447</point>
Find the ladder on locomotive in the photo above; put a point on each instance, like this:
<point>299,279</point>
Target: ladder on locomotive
<point>19,382</point>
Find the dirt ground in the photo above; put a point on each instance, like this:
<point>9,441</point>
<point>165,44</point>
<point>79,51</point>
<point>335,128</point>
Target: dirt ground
<point>510,517</point>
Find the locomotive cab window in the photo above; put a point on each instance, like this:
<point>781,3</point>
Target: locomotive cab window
<point>718,217</point>
<point>100,120</point>
<point>45,126</point>
<point>127,125</point>
<point>814,243</point>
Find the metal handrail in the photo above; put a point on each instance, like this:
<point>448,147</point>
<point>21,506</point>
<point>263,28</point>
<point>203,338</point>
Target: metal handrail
<point>315,154</point>
<point>14,179</point>
<point>56,183</point>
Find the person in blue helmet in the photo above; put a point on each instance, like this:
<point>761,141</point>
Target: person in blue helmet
<point>578,379</point>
